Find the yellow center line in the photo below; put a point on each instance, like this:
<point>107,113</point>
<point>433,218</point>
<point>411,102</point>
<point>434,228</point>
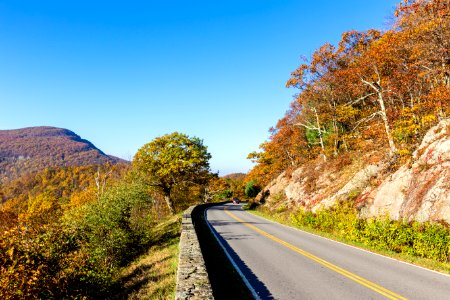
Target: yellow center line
<point>379,289</point>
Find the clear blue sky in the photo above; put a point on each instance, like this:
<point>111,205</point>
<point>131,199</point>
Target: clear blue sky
<point>120,73</point>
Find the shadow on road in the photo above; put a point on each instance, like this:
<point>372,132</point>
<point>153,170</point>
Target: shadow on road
<point>223,276</point>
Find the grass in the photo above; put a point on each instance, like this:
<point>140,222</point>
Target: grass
<point>283,218</point>
<point>153,274</point>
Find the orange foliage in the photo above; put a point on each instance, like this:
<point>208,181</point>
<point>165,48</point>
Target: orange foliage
<point>383,89</point>
<point>41,197</point>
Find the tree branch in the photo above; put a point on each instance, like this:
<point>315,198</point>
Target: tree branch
<point>359,99</point>
<point>306,126</point>
<point>366,119</point>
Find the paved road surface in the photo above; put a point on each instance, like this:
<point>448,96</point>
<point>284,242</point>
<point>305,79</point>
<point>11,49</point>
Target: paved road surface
<point>285,263</point>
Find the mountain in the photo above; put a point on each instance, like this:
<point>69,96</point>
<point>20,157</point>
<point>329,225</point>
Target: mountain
<point>235,176</point>
<point>32,149</point>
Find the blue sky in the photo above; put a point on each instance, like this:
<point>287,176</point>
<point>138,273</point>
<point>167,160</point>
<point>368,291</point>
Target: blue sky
<point>120,73</point>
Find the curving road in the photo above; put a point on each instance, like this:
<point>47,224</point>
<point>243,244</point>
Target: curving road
<point>279,262</point>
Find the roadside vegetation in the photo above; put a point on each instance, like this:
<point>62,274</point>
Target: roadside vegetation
<point>153,274</point>
<point>103,231</point>
<point>425,244</point>
<point>368,100</point>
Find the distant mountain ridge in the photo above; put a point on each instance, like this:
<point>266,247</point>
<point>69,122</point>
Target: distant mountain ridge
<point>32,149</point>
<point>235,176</point>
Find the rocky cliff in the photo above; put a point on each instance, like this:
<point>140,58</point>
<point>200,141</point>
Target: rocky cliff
<point>418,190</point>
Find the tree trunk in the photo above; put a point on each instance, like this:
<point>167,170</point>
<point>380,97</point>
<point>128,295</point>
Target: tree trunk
<point>167,188</point>
<point>378,89</point>
<point>392,148</point>
<point>319,130</point>
<point>336,137</point>
<point>169,203</point>
<point>291,159</point>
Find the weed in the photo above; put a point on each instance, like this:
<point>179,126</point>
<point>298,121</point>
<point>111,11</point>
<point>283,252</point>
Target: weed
<point>424,244</point>
<point>353,194</point>
<point>152,275</point>
<point>424,240</point>
<point>250,206</point>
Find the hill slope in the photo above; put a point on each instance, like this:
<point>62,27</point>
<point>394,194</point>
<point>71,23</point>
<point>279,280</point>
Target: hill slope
<point>418,190</point>
<point>35,148</point>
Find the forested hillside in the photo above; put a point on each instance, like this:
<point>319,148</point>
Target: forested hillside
<point>33,149</point>
<point>372,96</point>
<point>70,231</point>
<point>362,154</point>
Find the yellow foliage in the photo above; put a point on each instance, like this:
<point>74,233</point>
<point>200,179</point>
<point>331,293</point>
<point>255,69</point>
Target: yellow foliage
<point>404,152</point>
<point>41,204</point>
<point>347,113</point>
<point>428,119</point>
<point>80,198</point>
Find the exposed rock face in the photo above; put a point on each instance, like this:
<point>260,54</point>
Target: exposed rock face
<point>389,197</point>
<point>290,190</point>
<point>295,188</point>
<point>275,188</point>
<point>417,191</point>
<point>356,184</point>
<point>421,192</point>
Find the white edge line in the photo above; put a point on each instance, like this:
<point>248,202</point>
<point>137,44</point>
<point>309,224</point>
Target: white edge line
<point>254,294</point>
<point>354,247</point>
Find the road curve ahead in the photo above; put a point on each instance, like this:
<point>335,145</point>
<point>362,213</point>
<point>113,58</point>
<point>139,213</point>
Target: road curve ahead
<point>284,263</point>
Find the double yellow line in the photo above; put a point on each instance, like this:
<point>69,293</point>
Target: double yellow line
<point>379,289</point>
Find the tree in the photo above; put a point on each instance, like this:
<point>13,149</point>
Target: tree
<point>374,91</point>
<point>173,160</point>
<point>251,189</point>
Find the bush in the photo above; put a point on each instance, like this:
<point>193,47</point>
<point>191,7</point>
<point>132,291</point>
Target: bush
<point>115,227</point>
<point>226,194</point>
<point>428,240</point>
<point>251,189</point>
<point>43,263</point>
<point>250,206</point>
<point>76,257</point>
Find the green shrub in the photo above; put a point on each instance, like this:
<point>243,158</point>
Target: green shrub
<point>76,254</point>
<point>223,195</point>
<point>251,189</point>
<point>428,240</point>
<point>250,206</point>
<point>115,227</point>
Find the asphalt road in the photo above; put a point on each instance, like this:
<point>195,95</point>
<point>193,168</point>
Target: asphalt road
<point>284,263</point>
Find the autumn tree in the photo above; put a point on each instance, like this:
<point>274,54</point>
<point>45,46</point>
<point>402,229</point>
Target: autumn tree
<point>377,89</point>
<point>372,65</point>
<point>427,23</point>
<point>285,150</point>
<point>316,95</point>
<point>171,161</point>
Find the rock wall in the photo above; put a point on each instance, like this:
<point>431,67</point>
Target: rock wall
<point>419,190</point>
<point>192,278</point>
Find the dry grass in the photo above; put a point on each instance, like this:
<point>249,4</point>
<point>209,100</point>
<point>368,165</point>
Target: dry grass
<point>153,275</point>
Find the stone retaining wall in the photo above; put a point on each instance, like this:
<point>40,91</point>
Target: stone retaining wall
<point>192,278</point>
